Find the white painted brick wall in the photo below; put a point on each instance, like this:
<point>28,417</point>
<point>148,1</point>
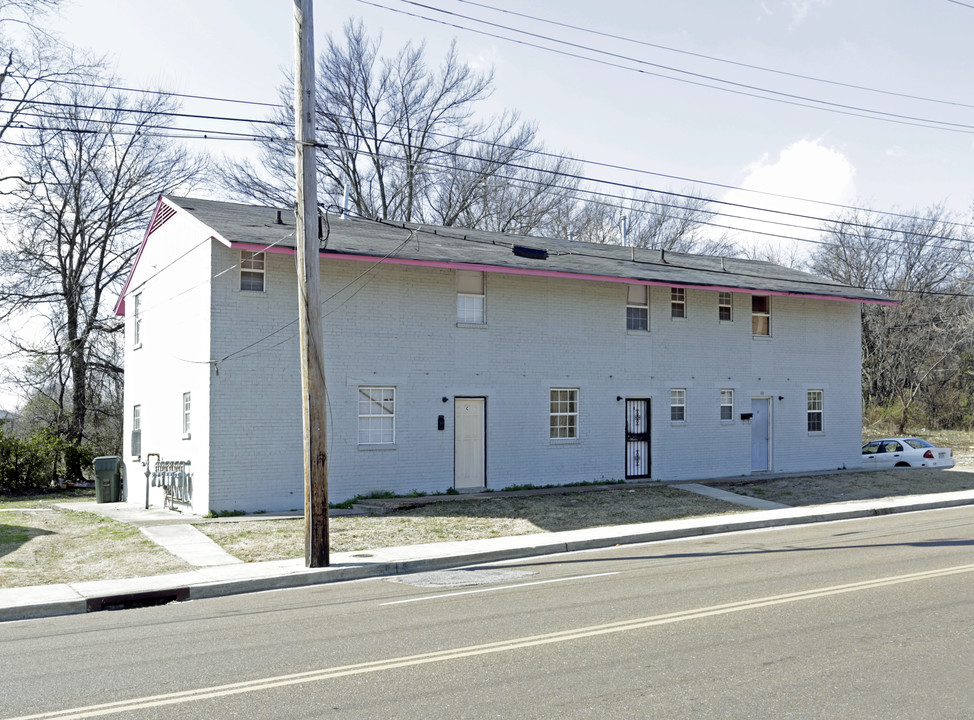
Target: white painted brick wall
<point>397,327</point>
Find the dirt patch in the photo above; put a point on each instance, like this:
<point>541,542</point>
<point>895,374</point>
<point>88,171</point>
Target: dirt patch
<point>472,518</point>
<point>846,487</point>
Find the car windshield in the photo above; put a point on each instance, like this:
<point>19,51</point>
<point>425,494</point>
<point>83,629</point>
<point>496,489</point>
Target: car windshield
<point>918,443</point>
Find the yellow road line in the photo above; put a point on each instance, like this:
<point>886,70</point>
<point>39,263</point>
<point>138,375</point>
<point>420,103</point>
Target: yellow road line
<point>484,649</point>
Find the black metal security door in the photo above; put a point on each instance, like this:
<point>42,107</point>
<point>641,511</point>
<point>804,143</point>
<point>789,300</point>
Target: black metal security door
<point>637,438</point>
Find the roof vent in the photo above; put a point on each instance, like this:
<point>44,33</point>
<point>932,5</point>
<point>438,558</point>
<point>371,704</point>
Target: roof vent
<point>530,253</point>
<point>279,221</point>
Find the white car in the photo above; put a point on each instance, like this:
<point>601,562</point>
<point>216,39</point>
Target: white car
<point>905,452</point>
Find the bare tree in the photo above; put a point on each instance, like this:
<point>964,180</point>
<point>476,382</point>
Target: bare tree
<point>660,220</point>
<point>909,350</point>
<point>403,138</point>
<point>95,167</point>
<point>31,59</point>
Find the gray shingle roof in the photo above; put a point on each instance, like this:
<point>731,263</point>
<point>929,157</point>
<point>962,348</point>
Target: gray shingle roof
<point>426,244</point>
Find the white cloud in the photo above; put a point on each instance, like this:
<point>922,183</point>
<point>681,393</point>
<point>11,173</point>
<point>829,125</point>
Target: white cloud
<point>804,175</point>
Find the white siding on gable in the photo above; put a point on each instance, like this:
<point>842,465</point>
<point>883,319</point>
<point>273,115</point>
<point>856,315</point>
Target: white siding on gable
<point>173,280</point>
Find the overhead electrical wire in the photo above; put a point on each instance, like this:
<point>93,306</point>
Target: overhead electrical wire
<point>703,56</point>
<point>580,193</point>
<point>228,135</point>
<point>251,137</point>
<point>734,87</point>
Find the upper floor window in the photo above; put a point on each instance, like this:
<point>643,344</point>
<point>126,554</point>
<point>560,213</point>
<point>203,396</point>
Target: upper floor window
<point>760,315</point>
<point>563,414</point>
<point>376,415</point>
<point>137,320</point>
<point>637,308</point>
<point>678,405</point>
<point>725,307</point>
<point>678,303</point>
<point>251,271</point>
<point>815,410</point>
<point>726,404</point>
<point>471,297</point>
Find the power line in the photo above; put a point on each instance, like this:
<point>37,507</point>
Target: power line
<point>228,135</point>
<point>160,93</point>
<point>713,58</point>
<point>776,96</point>
<point>579,195</point>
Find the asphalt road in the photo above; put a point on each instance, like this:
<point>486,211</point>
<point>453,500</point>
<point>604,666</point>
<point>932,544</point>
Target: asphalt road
<point>858,619</point>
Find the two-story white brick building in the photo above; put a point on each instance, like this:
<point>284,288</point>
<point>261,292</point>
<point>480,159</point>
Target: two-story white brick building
<point>472,360</point>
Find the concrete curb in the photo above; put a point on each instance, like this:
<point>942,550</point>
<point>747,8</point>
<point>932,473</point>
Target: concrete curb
<point>222,580</point>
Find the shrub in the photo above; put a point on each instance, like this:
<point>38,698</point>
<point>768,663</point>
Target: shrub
<point>34,462</point>
<point>28,464</point>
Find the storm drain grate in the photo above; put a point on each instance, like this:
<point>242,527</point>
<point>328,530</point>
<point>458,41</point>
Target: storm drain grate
<point>138,600</point>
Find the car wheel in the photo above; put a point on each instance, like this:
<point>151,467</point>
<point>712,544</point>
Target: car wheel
<point>902,464</point>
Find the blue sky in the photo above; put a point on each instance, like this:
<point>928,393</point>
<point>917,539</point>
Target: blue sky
<point>632,118</point>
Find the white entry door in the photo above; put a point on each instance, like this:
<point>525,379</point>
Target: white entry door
<point>760,434</point>
<point>469,443</point>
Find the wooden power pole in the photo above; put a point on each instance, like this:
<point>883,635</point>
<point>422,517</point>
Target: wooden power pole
<point>309,294</point>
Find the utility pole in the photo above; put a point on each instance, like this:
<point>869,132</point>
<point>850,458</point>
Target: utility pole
<point>309,294</point>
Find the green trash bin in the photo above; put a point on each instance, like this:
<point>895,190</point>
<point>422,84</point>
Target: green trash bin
<point>108,479</point>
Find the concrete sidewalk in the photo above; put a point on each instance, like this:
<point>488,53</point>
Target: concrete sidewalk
<point>220,574</point>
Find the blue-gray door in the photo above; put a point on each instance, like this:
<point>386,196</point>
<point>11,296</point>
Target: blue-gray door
<point>760,434</point>
<point>637,438</point>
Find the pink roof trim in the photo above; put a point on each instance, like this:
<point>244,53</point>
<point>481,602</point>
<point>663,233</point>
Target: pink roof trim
<point>120,305</point>
<point>550,273</point>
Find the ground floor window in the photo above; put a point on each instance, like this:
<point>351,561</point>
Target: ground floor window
<point>136,431</point>
<point>678,405</point>
<point>815,410</point>
<point>187,403</point>
<point>726,404</point>
<point>376,415</point>
<point>563,414</point>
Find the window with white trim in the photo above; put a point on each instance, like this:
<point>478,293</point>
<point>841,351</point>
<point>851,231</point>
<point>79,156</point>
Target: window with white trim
<point>678,405</point>
<point>563,414</point>
<point>637,307</point>
<point>471,297</point>
<point>137,320</point>
<point>187,426</point>
<point>725,307</point>
<point>376,415</point>
<point>726,404</point>
<point>251,271</point>
<point>678,303</point>
<point>760,315</point>
<point>816,401</point>
<point>136,431</point>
